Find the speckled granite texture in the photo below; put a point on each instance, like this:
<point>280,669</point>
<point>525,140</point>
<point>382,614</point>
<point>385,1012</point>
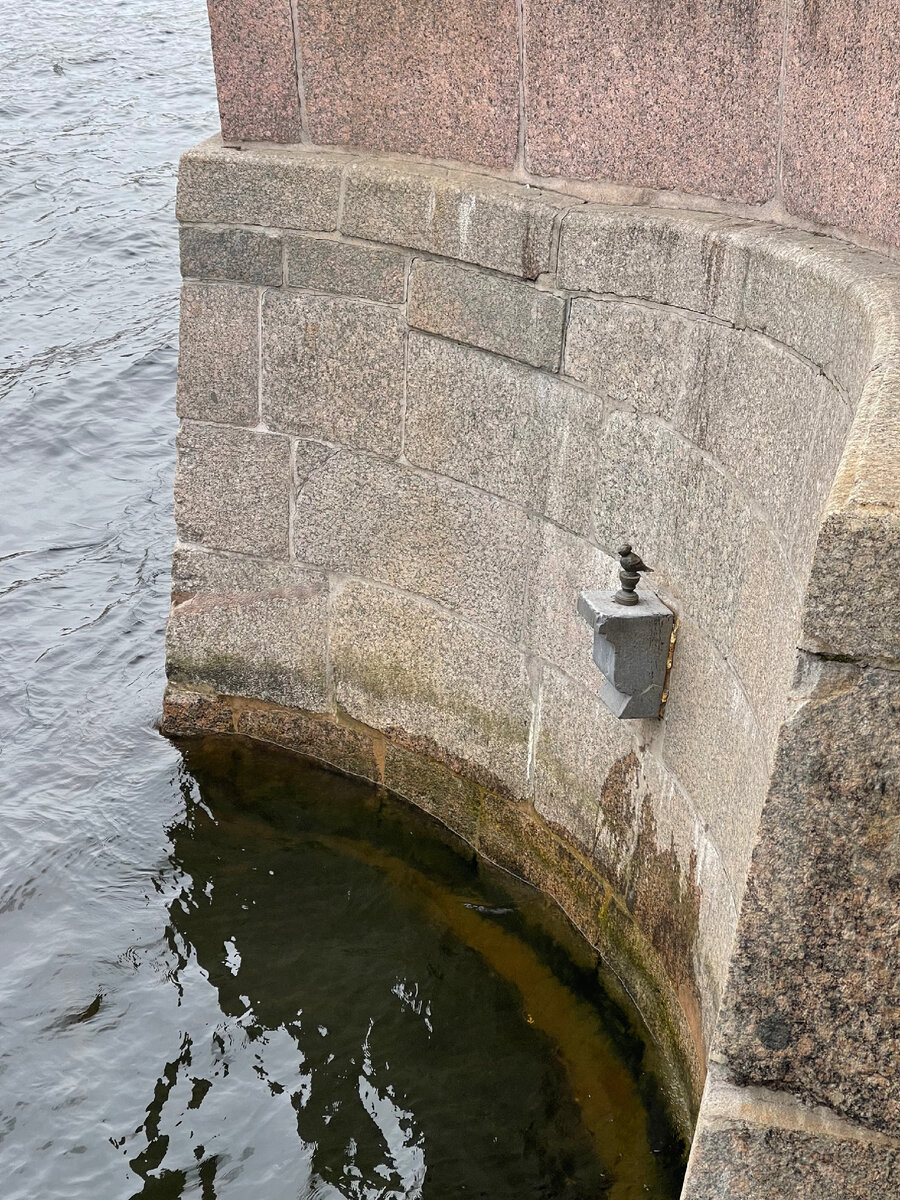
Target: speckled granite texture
<point>256,70</point>
<point>438,77</point>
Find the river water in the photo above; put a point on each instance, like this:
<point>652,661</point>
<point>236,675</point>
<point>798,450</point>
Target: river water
<point>222,973</point>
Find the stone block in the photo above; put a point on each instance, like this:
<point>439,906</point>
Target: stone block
<point>442,687</point>
<point>256,70</point>
<point>841,122</point>
<point>289,189</point>
<point>563,566</point>
<point>450,798</point>
<point>350,750</point>
<point>439,78</point>
<point>218,358</point>
<point>695,261</point>
<point>634,356</point>
<point>686,519</point>
<point>366,517</point>
<point>496,314</point>
<point>765,1163</point>
<point>766,630</point>
<point>676,97</point>
<point>713,747</point>
<point>853,596</point>
<point>333,368</point>
<point>503,226</point>
<point>323,265</point>
<point>503,427</point>
<point>196,713</point>
<point>244,255</point>
<point>248,628</point>
<point>232,489</point>
<point>775,424</point>
<point>812,1004</point>
<point>580,785</point>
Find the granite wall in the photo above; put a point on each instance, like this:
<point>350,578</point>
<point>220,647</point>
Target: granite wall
<point>420,409</point>
<point>784,109</point>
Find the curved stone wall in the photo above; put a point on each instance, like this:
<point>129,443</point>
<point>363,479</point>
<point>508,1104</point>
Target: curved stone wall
<point>420,410</point>
<point>784,108</point>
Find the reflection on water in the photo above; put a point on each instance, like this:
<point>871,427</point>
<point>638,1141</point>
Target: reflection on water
<point>368,1012</point>
<point>158,1038</point>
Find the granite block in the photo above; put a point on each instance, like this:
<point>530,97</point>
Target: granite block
<point>433,683</point>
<point>503,226</point>
<point>713,747</point>
<point>452,799</point>
<point>291,189</point>
<point>188,712</point>
<point>256,70</point>
<point>775,424</point>
<point>503,427</point>
<point>695,261</point>
<point>323,265</point>
<point>248,628</point>
<point>366,517</point>
<point>245,255</point>
<point>841,118</point>
<point>218,356</point>
<point>634,356</point>
<point>812,1006</point>
<point>680,96</point>
<point>496,314</point>
<point>579,780</point>
<point>763,1163</point>
<point>563,566</point>
<point>852,605</point>
<point>333,368</point>
<point>688,522</point>
<point>232,489</point>
<point>438,78</point>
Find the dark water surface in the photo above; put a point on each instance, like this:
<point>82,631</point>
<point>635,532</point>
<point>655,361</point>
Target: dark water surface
<point>222,973</point>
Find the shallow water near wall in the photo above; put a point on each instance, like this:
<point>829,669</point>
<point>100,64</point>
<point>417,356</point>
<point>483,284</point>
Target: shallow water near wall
<point>165,917</point>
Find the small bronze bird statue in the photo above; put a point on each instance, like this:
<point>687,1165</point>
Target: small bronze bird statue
<point>631,566</point>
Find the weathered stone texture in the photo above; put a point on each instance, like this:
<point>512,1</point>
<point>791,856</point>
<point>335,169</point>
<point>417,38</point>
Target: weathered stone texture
<point>633,92</point>
<point>713,747</point>
<point>232,489</point>
<point>218,361</point>
<point>438,78</point>
<point>562,567</point>
<point>812,1005</point>
<point>323,265</point>
<point>634,356</point>
<point>496,314</point>
<point>363,516</point>
<point>332,368</point>
<point>256,71</point>
<point>764,1163</point>
<point>775,424</point>
<point>505,227</point>
<point>291,189</point>
<point>453,799</point>
<point>337,745</point>
<point>244,255</point>
<point>841,122</point>
<point>503,427</point>
<point>450,689</point>
<point>249,628</point>
<point>688,522</point>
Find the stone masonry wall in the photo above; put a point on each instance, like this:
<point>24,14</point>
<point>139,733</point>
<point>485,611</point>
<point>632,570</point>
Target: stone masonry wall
<point>420,409</point>
<point>785,109</point>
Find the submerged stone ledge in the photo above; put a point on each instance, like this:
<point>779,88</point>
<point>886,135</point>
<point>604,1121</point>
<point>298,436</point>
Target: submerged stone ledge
<point>405,454</point>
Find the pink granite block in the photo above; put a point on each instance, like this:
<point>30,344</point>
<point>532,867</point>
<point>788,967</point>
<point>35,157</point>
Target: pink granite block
<point>841,161</point>
<point>674,94</point>
<point>256,70</point>
<point>434,77</point>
